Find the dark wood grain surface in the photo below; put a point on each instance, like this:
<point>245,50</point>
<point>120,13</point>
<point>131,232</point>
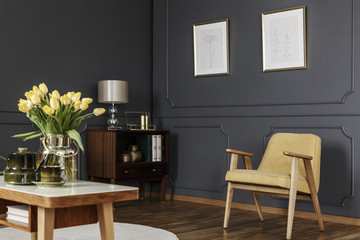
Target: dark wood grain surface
<point>193,221</point>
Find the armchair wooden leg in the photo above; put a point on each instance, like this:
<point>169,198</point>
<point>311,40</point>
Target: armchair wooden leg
<point>315,201</point>
<point>229,196</point>
<point>258,206</point>
<point>292,196</point>
<point>314,196</point>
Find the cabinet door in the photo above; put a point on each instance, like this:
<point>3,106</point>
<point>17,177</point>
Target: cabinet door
<point>102,154</point>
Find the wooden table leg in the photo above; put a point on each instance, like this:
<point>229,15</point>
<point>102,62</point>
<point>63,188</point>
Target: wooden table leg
<point>106,220</point>
<point>34,236</point>
<point>46,220</point>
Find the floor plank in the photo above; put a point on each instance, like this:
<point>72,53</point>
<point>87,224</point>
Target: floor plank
<point>193,221</point>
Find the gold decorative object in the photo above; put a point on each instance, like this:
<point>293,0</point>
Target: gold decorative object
<point>126,157</point>
<point>134,148</point>
<point>136,155</point>
<point>139,121</point>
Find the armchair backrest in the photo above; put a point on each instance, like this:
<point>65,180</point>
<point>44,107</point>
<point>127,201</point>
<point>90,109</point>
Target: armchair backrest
<point>307,144</point>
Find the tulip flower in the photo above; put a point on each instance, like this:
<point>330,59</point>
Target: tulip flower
<point>98,111</point>
<point>43,88</point>
<point>48,110</point>
<point>55,94</point>
<point>76,97</point>
<point>35,99</point>
<point>54,103</point>
<point>77,105</point>
<point>87,100</point>
<point>29,94</point>
<point>54,113</point>
<point>84,106</point>
<point>25,105</point>
<point>70,94</point>
<point>38,92</point>
<point>65,100</point>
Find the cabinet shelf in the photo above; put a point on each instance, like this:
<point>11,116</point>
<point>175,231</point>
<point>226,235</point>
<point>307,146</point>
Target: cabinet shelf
<point>104,158</point>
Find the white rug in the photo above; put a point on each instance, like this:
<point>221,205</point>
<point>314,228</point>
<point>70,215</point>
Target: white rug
<point>123,231</point>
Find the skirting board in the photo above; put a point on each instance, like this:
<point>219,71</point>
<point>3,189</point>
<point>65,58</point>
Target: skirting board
<point>273,210</point>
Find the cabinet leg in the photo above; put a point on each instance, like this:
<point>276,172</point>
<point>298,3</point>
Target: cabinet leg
<point>162,193</point>
<point>142,190</point>
<point>92,179</point>
<point>113,181</point>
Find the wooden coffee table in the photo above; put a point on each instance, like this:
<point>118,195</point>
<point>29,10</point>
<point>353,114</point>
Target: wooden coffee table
<point>73,204</point>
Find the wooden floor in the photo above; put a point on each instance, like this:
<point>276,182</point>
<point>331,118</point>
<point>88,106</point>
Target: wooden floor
<point>192,221</point>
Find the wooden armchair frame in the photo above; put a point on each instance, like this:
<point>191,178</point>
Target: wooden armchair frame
<point>275,191</point>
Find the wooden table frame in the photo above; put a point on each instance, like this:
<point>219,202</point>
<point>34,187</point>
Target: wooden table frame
<point>49,212</point>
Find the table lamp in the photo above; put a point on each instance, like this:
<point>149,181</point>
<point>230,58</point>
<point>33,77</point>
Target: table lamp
<point>113,92</point>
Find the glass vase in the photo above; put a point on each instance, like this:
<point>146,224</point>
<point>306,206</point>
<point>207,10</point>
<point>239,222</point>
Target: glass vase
<point>57,152</point>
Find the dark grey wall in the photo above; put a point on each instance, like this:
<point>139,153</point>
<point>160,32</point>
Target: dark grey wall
<point>241,111</point>
<point>70,45</point>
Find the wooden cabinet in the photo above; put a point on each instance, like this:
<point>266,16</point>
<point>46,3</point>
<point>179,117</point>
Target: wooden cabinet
<point>104,151</point>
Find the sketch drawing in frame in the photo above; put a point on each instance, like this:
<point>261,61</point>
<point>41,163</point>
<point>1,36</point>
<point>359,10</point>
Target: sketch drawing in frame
<point>284,39</point>
<point>211,48</point>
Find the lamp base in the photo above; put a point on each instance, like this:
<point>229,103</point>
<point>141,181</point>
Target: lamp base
<point>114,128</point>
<point>113,121</point>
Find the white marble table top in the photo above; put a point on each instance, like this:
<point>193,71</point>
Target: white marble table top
<point>69,189</point>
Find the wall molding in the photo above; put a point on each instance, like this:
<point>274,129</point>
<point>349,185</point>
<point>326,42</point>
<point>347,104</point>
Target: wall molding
<point>258,116</point>
<point>352,159</point>
<point>221,128</point>
<point>341,101</point>
<point>21,124</point>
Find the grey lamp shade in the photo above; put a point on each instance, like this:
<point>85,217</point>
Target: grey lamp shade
<point>113,91</point>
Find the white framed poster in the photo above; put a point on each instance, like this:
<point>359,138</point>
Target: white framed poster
<point>284,39</point>
<point>211,48</point>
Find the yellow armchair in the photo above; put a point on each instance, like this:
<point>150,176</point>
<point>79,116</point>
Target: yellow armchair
<point>280,173</point>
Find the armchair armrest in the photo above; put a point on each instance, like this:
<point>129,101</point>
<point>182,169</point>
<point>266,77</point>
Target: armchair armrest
<point>235,156</point>
<point>298,155</point>
<point>239,152</point>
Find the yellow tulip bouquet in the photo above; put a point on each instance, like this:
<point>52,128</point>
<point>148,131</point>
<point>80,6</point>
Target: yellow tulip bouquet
<point>55,114</point>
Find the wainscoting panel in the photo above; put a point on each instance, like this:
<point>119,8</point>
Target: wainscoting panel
<point>195,168</point>
<point>198,161</point>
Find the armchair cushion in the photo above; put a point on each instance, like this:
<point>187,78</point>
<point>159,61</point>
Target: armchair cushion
<point>307,144</point>
<point>267,178</point>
